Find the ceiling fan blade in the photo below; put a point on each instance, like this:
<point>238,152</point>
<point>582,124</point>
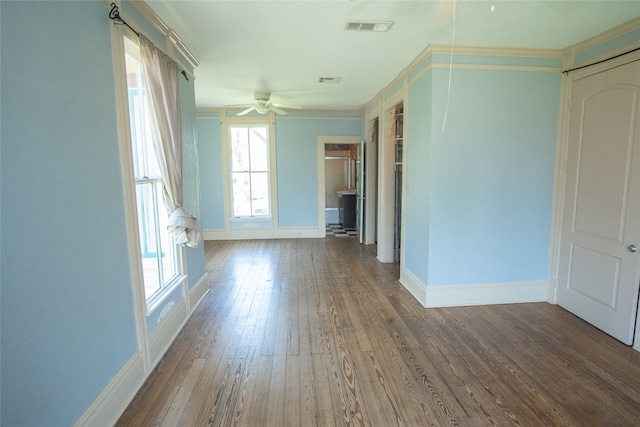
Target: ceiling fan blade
<point>277,110</point>
<point>292,107</point>
<point>247,111</point>
<point>238,106</point>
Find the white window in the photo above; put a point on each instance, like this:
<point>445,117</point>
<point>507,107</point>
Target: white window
<point>160,256</point>
<point>250,171</point>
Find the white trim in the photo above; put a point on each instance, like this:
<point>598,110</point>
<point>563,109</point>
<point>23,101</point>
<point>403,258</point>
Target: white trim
<point>491,67</point>
<point>225,123</point>
<point>120,391</point>
<point>323,117</point>
<point>415,286</point>
<point>215,234</point>
<point>445,49</point>
<point>373,111</point>
<point>561,161</point>
<point>172,39</point>
<point>267,233</point>
<point>605,37</point>
<point>322,140</point>
<point>300,232</point>
<point>162,337</point>
<point>473,294</point>
<point>198,292</point>
<point>330,114</point>
<point>570,57</point>
<point>129,191</point>
<point>159,298</point>
<point>562,146</point>
<point>636,343</point>
<point>116,396</point>
<point>484,67</point>
<point>487,293</point>
<point>386,177</point>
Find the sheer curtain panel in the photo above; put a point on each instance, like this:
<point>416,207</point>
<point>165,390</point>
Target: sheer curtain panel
<point>161,73</point>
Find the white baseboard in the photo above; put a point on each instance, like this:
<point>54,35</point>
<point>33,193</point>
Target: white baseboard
<point>198,291</point>
<point>474,294</point>
<point>636,343</point>
<point>415,286</point>
<point>264,233</point>
<point>215,234</point>
<point>299,232</point>
<point>487,293</point>
<point>116,396</point>
<point>162,337</point>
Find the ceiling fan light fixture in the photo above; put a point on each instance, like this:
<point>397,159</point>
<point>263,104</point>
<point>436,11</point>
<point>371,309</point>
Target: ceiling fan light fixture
<point>262,108</point>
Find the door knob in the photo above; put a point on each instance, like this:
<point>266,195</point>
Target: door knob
<point>632,248</point>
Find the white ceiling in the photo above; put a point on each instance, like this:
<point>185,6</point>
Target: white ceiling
<point>283,47</point>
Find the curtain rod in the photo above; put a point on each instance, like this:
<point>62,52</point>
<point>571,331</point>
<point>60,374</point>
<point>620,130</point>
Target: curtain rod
<point>600,62</point>
<point>114,15</point>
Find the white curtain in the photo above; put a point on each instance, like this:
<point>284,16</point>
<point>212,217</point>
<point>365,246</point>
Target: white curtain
<point>161,80</point>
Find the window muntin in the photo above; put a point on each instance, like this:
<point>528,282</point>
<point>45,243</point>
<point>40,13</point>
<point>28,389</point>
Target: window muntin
<point>250,171</point>
<point>159,254</point>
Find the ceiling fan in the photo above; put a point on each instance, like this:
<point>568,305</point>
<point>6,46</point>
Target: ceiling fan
<point>263,105</point>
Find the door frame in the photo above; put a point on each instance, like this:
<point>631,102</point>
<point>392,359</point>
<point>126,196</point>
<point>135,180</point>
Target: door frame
<point>386,180</point>
<point>560,169</point>
<point>322,141</point>
<point>371,180</point>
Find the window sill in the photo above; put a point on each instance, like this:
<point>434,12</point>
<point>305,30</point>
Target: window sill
<point>252,222</point>
<point>158,298</point>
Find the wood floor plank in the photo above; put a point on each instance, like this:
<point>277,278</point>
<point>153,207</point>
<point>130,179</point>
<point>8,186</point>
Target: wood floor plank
<point>318,333</point>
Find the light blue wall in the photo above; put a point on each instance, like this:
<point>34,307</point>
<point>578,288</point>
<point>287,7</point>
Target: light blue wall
<point>67,306</point>
<point>67,311</point>
<point>487,179</point>
<point>297,163</point>
<point>191,174</point>
<point>417,173</point>
<point>211,185</point>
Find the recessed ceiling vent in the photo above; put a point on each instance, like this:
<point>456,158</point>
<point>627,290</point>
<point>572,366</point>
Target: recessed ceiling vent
<point>329,79</point>
<point>379,26</point>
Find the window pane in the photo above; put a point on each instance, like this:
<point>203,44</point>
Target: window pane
<point>259,149</point>
<point>144,157</point>
<point>147,225</point>
<point>167,246</point>
<point>241,194</point>
<point>239,149</point>
<point>160,256</point>
<point>260,193</point>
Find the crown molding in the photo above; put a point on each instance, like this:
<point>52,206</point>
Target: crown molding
<point>159,25</point>
<point>443,49</point>
<point>601,38</point>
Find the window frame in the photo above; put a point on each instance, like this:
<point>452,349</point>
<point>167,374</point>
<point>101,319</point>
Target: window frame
<point>250,171</point>
<point>131,184</point>
<point>256,225</point>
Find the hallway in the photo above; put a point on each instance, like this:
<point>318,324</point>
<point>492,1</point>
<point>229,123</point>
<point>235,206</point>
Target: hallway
<point>317,332</point>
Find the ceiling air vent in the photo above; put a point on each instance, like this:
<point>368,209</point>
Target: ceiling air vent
<point>379,26</point>
<point>329,79</point>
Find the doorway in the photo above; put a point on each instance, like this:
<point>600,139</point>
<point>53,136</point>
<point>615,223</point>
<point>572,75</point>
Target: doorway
<point>371,182</point>
<point>390,185</point>
<point>341,164</point>
<point>338,182</point>
<point>598,256</point>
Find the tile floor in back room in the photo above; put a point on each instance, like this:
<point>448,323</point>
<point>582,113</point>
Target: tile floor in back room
<point>336,230</point>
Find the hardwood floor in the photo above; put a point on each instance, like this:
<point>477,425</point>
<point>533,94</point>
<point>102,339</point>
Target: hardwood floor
<point>318,333</point>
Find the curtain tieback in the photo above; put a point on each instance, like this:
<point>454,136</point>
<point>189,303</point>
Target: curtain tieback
<point>184,227</point>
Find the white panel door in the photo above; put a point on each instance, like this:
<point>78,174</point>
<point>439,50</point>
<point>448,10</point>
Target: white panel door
<point>598,266</point>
